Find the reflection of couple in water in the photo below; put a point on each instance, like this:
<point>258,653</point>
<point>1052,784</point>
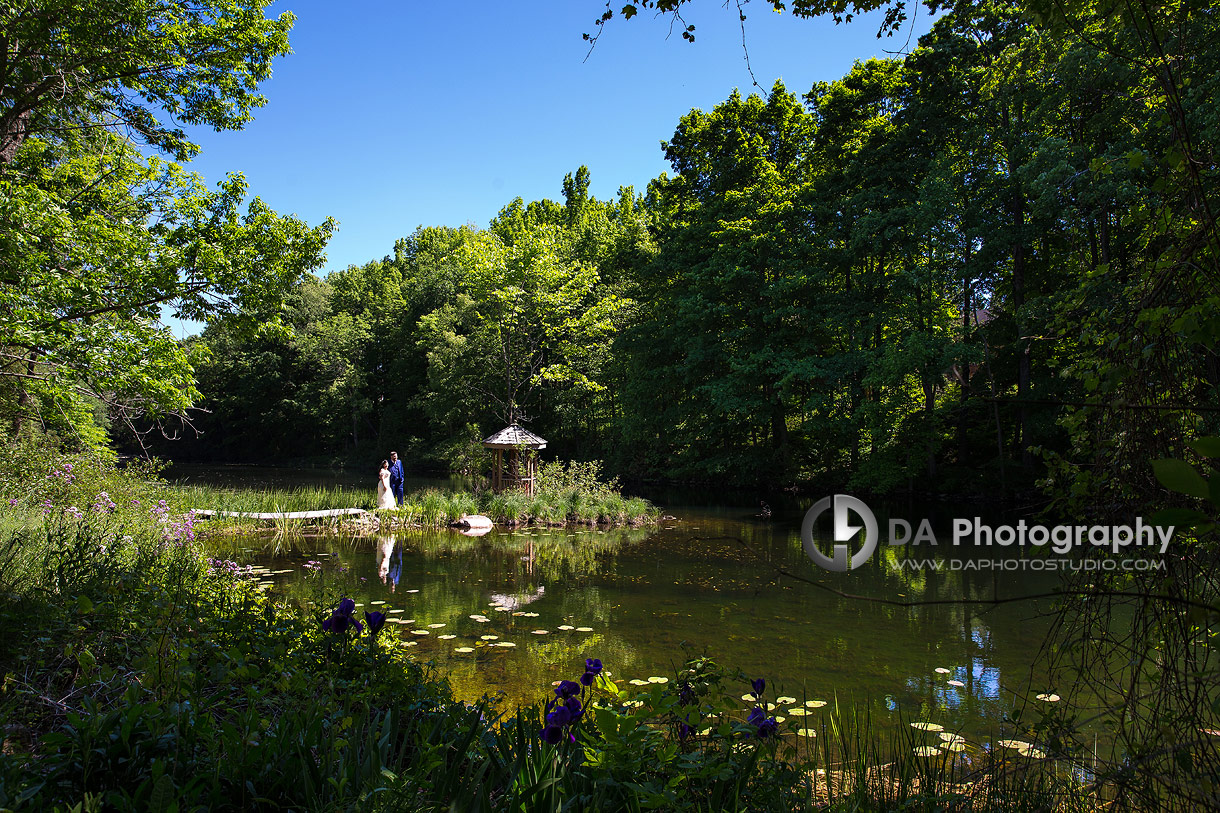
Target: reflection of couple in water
<point>389,562</point>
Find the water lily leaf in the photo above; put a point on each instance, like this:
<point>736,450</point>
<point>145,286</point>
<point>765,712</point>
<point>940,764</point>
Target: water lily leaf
<point>1017,744</point>
<point>584,629</point>
<point>749,698</point>
<point>954,746</point>
<point>957,683</point>
<point>656,679</point>
<point>947,737</point>
<point>927,751</point>
<point>566,626</point>
<point>435,626</point>
<point>541,632</point>
<point>785,699</point>
<point>806,732</point>
<point>815,704</point>
<point>798,712</point>
<point>1048,698</point>
<point>928,726</point>
<point>940,670</point>
<point>420,632</point>
<point>447,637</point>
<point>489,637</point>
<point>464,649</point>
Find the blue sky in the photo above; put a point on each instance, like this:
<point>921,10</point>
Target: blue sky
<point>389,116</point>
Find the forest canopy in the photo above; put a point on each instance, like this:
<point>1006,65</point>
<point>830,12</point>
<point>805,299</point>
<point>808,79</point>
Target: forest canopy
<point>987,263</point>
<point>99,233</point>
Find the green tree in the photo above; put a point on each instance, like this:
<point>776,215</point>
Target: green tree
<point>95,236</point>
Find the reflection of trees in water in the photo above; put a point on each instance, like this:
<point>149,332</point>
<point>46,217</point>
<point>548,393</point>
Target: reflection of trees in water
<point>542,555</point>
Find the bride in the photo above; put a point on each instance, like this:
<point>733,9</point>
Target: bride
<point>385,497</point>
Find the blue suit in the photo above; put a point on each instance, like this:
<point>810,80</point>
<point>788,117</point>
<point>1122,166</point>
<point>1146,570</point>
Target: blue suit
<point>396,480</point>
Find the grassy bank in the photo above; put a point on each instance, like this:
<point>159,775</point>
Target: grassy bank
<point>572,494</point>
<point>136,673</point>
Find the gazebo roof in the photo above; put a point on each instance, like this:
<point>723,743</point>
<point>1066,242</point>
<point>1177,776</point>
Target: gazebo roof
<point>514,436</point>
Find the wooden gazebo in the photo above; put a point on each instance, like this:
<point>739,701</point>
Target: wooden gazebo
<point>512,468</point>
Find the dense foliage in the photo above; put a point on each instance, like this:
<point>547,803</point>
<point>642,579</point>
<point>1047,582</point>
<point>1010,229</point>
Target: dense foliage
<point>98,235</point>
<point>984,263</point>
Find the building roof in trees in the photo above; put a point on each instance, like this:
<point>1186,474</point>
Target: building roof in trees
<point>514,437</point>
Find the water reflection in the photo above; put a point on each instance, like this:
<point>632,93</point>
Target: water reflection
<point>520,608</point>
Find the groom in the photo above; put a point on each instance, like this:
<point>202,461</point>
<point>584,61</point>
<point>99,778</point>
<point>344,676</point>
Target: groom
<point>396,477</point>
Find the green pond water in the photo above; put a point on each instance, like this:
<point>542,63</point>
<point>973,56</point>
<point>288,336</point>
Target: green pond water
<point>713,580</point>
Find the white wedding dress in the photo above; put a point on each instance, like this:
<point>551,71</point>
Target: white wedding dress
<point>385,497</point>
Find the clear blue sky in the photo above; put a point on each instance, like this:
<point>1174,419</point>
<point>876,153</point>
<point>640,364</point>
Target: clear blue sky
<point>392,115</point>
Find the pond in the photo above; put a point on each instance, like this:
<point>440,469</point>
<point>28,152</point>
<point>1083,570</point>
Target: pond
<point>515,610</point>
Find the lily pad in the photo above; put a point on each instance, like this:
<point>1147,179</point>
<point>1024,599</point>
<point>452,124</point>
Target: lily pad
<point>420,632</point>
<point>464,649</point>
<point>1019,745</point>
<point>638,682</point>
<point>798,712</point>
<point>376,602</point>
<point>928,726</point>
<point>413,590</point>
<point>584,629</point>
<point>395,611</point>
<point>566,626</point>
<point>953,746</point>
<point>541,632</point>
<point>655,679</point>
<point>815,704</point>
<point>957,683</point>
<point>446,637</point>
<point>1049,698</point>
<point>435,626</point>
<point>785,699</point>
<point>410,643</point>
<point>947,737</point>
<point>1032,753</point>
<point>504,643</point>
<point>806,732</point>
<point>489,637</point>
<point>927,751</point>
<point>749,698</point>
<point>940,670</point>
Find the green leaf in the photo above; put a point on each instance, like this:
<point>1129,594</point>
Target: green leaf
<point>1179,517</point>
<point>628,11</point>
<point>1177,475</point>
<point>1208,447</point>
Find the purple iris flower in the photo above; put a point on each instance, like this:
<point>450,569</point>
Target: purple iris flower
<point>587,679</point>
<point>552,734</point>
<point>574,707</point>
<point>767,726</point>
<point>593,666</point>
<point>346,607</point>
<point>559,717</point>
<point>567,688</point>
<point>376,621</point>
<point>683,731</point>
<point>759,686</point>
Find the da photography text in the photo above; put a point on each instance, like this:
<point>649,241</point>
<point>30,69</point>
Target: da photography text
<point>851,516</point>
